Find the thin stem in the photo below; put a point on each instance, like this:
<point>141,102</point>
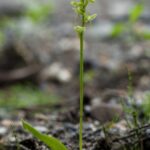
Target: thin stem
<point>81,81</point>
<point>81,88</point>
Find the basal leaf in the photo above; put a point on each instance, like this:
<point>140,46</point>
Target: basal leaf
<point>51,142</point>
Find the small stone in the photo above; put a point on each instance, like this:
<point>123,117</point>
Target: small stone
<point>121,126</point>
<point>148,132</point>
<point>11,8</point>
<point>64,75</point>
<point>145,82</point>
<point>6,123</point>
<point>136,51</point>
<point>3,131</point>
<point>96,101</point>
<point>100,30</point>
<point>87,109</point>
<point>12,138</point>
<point>120,9</point>
<point>41,129</point>
<point>90,126</point>
<point>106,112</point>
<point>67,44</point>
<point>57,72</point>
<point>41,117</point>
<point>9,123</point>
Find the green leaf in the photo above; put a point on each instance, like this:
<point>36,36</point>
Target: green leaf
<point>117,29</point>
<point>136,12</point>
<point>50,141</point>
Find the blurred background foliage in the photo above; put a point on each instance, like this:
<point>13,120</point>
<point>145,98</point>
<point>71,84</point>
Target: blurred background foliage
<point>34,12</point>
<point>20,95</point>
<point>26,96</point>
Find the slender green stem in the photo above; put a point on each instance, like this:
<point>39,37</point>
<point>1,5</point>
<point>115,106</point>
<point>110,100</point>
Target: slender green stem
<point>81,88</point>
<point>80,9</point>
<point>81,81</point>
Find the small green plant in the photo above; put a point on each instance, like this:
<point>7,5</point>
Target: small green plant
<point>80,8</point>
<point>128,27</point>
<point>132,112</point>
<point>37,11</point>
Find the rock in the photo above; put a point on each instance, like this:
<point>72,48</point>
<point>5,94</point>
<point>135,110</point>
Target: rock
<point>9,123</point>
<point>114,96</point>
<point>96,101</point>
<point>144,82</point>
<point>110,98</point>
<point>89,126</point>
<point>136,51</point>
<point>3,130</point>
<point>41,128</point>
<point>11,8</point>
<point>56,72</point>
<point>120,9</point>
<point>148,132</point>
<point>41,117</point>
<point>34,44</point>
<point>106,112</point>
<point>101,30</point>
<point>122,127</point>
<point>67,44</point>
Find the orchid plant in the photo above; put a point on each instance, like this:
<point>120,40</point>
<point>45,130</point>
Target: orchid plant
<point>80,8</point>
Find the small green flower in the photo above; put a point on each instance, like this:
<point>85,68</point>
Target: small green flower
<point>76,4</point>
<point>90,18</point>
<point>79,29</point>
